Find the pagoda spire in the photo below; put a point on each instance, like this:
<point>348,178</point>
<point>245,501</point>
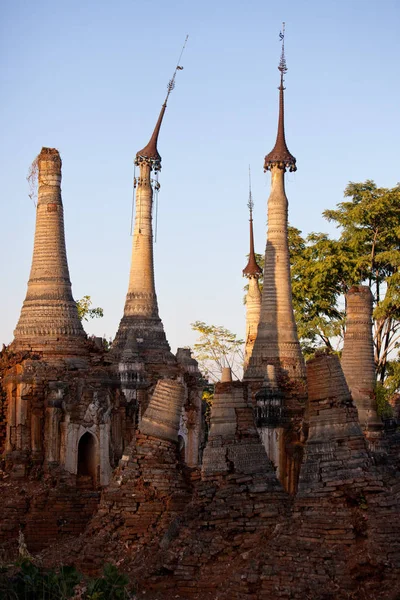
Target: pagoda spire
<point>141,318</point>
<point>253,297</point>
<point>280,155</point>
<point>49,320</point>
<point>277,341</point>
<point>251,269</point>
<point>276,370</point>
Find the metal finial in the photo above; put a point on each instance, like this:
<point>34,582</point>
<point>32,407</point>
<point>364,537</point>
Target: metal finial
<point>150,153</point>
<point>171,83</point>
<point>280,156</point>
<point>250,203</point>
<point>282,63</point>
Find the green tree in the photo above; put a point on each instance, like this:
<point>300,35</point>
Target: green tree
<point>319,271</point>
<point>85,312</point>
<point>217,347</point>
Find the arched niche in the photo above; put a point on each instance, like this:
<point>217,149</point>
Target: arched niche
<point>87,459</point>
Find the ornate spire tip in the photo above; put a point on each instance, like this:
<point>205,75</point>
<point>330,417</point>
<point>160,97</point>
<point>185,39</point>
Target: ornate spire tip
<point>282,63</point>
<point>150,152</point>
<point>251,269</point>
<point>280,156</point>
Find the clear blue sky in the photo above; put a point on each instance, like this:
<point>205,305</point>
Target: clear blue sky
<point>89,77</point>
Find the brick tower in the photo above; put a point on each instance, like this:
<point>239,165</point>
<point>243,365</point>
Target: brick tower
<point>49,321</point>
<point>277,342</point>
<point>253,298</point>
<point>141,317</point>
<point>358,357</point>
<point>141,308</point>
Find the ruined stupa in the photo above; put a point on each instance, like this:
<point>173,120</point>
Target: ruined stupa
<point>358,357</point>
<point>140,348</point>
<point>49,321</point>
<point>141,321</point>
<point>63,408</point>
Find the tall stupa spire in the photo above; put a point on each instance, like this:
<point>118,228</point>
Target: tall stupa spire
<point>141,308</point>
<point>277,341</point>
<point>49,321</point>
<point>252,272</point>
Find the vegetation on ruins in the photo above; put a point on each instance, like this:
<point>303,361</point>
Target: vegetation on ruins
<point>217,348</point>
<point>32,179</point>
<point>29,581</point>
<point>85,310</point>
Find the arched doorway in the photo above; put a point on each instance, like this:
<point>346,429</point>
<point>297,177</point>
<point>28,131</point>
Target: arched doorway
<point>87,461</point>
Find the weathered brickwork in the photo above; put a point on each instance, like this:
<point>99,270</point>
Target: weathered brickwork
<point>162,416</point>
<point>49,318</point>
<point>277,342</point>
<point>140,350</point>
<point>253,297</point>
<point>47,508</point>
<point>253,308</point>
<point>141,308</point>
<point>358,357</point>
<point>236,533</point>
<point>231,531</point>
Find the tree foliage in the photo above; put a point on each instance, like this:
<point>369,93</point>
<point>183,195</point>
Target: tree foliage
<point>29,581</point>
<point>85,310</point>
<point>319,273</point>
<point>217,348</point>
<point>367,252</point>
